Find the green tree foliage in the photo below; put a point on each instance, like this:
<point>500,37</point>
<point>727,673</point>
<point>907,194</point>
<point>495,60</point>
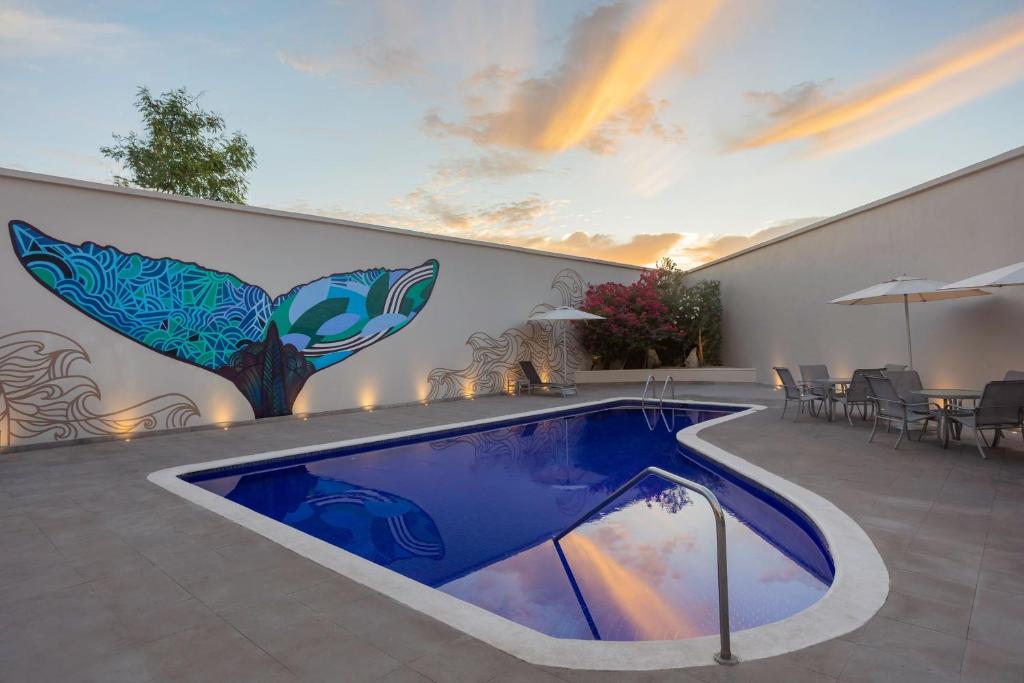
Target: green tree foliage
<point>696,309</point>
<point>184,150</point>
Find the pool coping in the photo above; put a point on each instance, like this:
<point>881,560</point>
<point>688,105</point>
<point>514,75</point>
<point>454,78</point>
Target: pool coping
<point>859,589</point>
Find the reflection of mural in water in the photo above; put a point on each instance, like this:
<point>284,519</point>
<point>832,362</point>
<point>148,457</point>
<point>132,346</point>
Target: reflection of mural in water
<point>267,347</point>
<point>381,527</point>
<point>43,394</point>
<point>495,359</point>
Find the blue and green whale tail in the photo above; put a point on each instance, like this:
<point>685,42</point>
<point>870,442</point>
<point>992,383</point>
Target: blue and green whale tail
<point>267,347</point>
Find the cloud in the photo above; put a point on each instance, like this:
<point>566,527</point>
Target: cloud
<point>493,75</point>
<point>33,34</point>
<point>696,249</point>
<point>382,63</point>
<point>515,223</point>
<point>642,249</point>
<point>800,97</point>
<point>315,66</point>
<point>597,95</point>
<point>389,63</point>
<point>519,224</point>
<point>491,166</point>
<point>638,118</point>
<point>955,73</point>
<point>499,220</point>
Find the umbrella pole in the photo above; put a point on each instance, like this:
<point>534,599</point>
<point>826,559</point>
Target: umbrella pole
<point>565,358</point>
<point>906,316</point>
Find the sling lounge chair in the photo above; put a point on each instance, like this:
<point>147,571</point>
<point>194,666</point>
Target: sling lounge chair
<point>533,381</point>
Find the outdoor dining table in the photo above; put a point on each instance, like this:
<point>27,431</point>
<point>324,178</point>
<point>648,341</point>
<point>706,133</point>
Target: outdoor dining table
<point>830,384</point>
<point>952,400</point>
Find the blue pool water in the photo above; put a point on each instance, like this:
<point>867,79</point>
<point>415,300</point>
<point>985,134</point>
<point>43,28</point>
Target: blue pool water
<point>472,513</point>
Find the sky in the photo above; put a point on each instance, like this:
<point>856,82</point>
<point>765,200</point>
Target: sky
<point>626,130</point>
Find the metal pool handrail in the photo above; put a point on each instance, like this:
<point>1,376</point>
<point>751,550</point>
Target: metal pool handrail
<point>647,385</point>
<point>669,381</point>
<point>725,656</point>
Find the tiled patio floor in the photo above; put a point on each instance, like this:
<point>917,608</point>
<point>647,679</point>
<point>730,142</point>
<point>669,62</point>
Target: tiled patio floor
<point>106,577</point>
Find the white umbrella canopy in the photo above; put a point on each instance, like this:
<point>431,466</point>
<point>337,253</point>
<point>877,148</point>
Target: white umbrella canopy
<point>565,313</point>
<point>1006,276</point>
<point>905,289</point>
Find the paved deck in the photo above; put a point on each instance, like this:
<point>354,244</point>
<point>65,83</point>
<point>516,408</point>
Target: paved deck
<point>106,577</point>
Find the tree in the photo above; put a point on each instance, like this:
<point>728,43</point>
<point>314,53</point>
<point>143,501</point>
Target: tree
<point>184,150</point>
<point>702,306</point>
<point>696,308</point>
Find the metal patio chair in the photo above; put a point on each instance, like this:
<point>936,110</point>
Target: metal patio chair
<point>892,409</point>
<point>1001,407</point>
<point>906,382</point>
<point>809,373</point>
<point>857,395</point>
<point>796,391</point>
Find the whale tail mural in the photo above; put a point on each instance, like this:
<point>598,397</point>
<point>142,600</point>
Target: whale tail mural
<point>268,347</point>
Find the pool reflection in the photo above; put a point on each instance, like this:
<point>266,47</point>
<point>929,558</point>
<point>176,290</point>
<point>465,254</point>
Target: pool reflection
<point>473,515</point>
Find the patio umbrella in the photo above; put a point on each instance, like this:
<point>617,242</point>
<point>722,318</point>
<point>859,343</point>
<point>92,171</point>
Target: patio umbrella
<point>906,289</point>
<point>564,313</point>
<point>1000,277</point>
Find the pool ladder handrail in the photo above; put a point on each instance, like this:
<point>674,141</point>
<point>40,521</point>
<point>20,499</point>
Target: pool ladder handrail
<point>647,385</point>
<point>669,381</point>
<point>725,655</point>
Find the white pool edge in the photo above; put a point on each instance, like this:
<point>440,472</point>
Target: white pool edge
<point>858,591</point>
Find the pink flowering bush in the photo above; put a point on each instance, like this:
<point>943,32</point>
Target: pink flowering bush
<point>635,320</point>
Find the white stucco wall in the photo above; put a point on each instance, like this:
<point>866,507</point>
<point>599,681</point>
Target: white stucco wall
<point>479,288</point>
<point>968,222</point>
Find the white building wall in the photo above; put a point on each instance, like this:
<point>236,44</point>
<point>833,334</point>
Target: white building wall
<point>775,295</point>
<point>479,288</point>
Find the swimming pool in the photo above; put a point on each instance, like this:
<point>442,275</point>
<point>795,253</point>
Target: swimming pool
<point>811,524</point>
<point>473,514</point>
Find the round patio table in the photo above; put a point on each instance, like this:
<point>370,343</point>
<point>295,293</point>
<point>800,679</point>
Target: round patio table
<point>952,399</point>
<point>830,383</point>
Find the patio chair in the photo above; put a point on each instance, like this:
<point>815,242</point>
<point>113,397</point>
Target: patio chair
<point>533,381</point>
<point>1014,375</point>
<point>809,373</point>
<point>796,392</point>
<point>892,409</point>
<point>857,395</point>
<point>893,367</point>
<point>906,382</point>
<point>1001,407</point>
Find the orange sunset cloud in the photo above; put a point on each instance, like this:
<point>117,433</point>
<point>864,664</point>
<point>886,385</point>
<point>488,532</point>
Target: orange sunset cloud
<point>956,73</point>
<point>597,95</point>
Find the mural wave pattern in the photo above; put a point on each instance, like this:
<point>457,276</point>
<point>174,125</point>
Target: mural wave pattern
<point>496,359</point>
<point>43,394</point>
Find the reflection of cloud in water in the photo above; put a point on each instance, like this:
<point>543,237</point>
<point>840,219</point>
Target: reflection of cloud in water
<point>632,594</point>
<point>530,588</point>
<point>786,572</point>
<point>647,560</point>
